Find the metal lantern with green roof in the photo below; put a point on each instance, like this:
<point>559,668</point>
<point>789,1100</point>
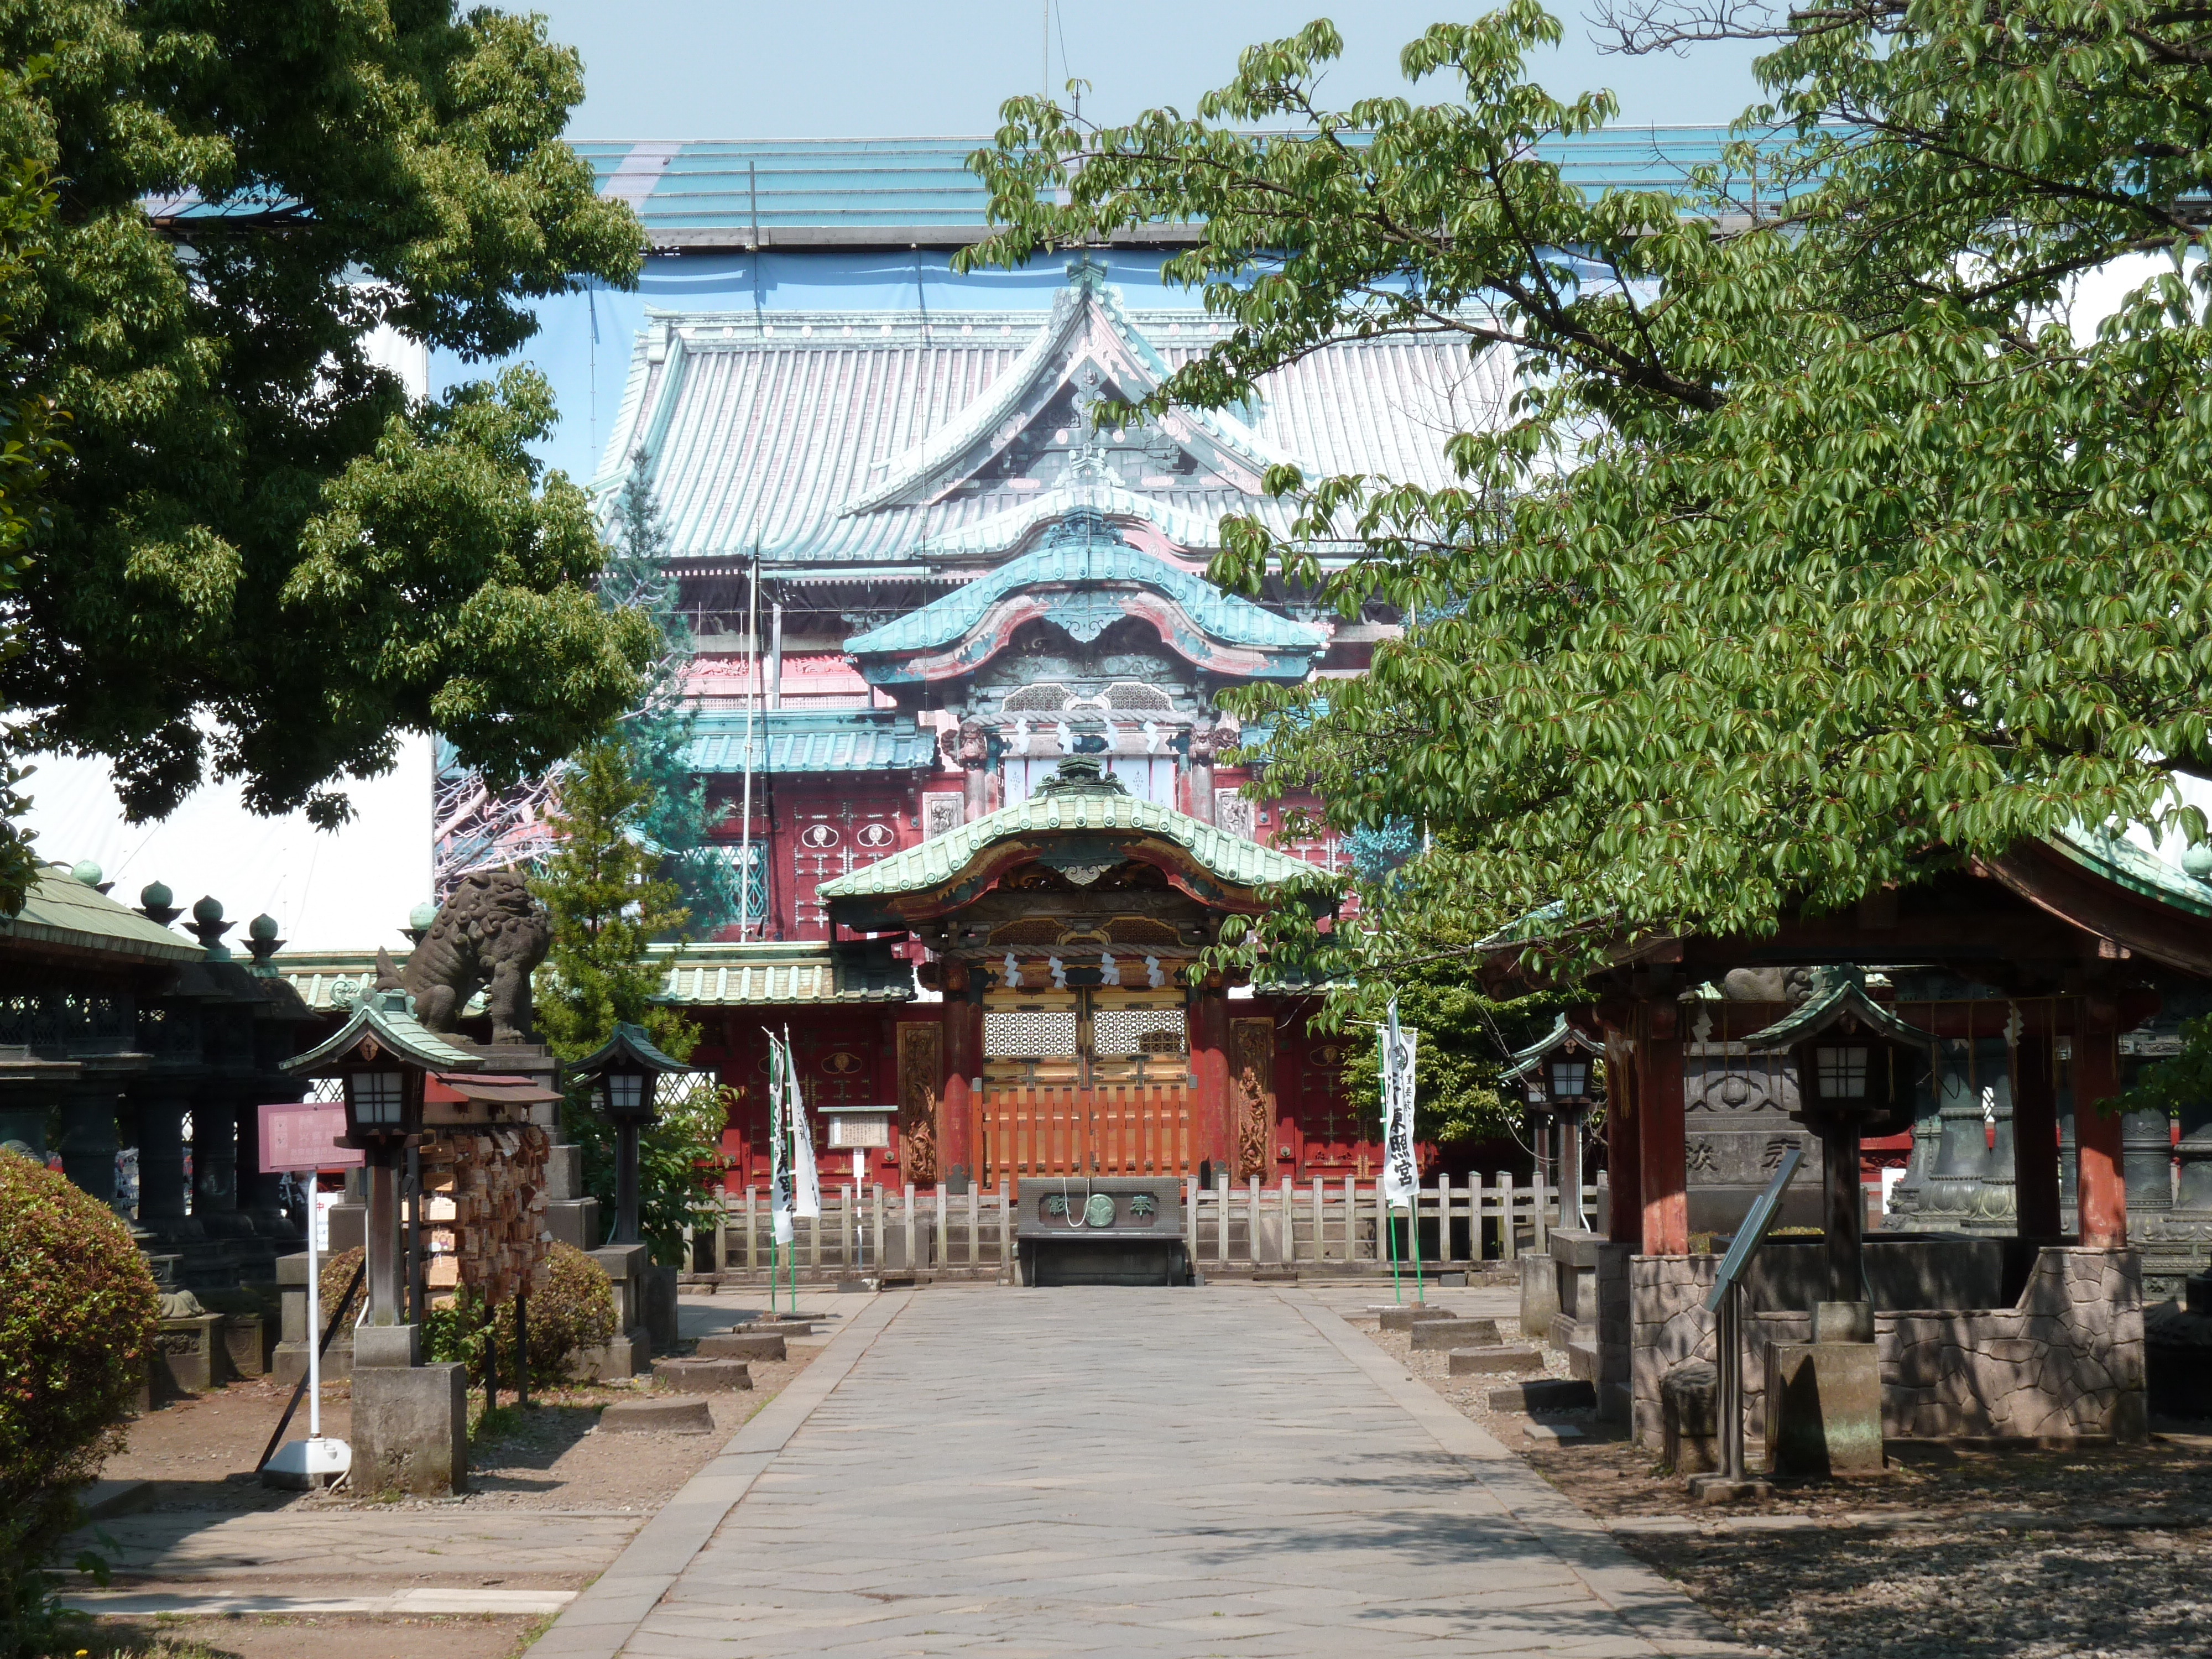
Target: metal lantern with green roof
<point>383,1054</point>
<point>1562,1075</point>
<point>623,1072</point>
<point>1856,1063</point>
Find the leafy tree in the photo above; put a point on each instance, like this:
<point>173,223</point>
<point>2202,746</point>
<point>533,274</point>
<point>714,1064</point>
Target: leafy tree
<point>260,562</point>
<point>673,817</point>
<point>608,900</point>
<point>1815,552</point>
<point>1466,1039</point>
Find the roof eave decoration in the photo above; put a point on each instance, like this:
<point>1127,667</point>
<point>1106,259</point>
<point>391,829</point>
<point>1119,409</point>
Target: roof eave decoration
<point>1083,588</point>
<point>1079,821</point>
<point>1839,1001</point>
<point>2132,902</point>
<point>386,1019</point>
<point>1088,324</point>
<point>631,1043</point>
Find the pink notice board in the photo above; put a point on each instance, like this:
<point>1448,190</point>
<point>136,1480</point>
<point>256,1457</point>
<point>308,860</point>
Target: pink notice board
<point>297,1135</point>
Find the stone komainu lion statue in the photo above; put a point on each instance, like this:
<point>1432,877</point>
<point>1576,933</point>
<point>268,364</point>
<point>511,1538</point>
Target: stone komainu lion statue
<point>490,933</point>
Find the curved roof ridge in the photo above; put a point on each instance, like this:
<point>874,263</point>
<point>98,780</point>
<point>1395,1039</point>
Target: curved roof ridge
<point>951,616</point>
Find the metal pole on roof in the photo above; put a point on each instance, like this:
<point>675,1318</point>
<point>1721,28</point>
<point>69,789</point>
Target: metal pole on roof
<point>745,816</point>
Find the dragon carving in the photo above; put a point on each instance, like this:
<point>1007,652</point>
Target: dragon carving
<point>490,935</point>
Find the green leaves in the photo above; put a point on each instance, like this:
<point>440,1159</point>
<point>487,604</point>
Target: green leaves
<point>254,534</point>
<point>1815,552</point>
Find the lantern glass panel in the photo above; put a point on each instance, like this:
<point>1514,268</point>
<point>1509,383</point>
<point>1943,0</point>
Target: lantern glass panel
<point>378,1098</point>
<point>1569,1079</point>
<point>1842,1072</point>
<point>625,1091</point>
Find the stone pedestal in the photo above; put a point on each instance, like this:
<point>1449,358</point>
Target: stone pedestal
<point>410,1431</point>
<point>627,1267</point>
<point>571,1217</point>
<point>190,1351</point>
<point>1540,1295</point>
<point>1823,1409</point>
<point>289,1363</point>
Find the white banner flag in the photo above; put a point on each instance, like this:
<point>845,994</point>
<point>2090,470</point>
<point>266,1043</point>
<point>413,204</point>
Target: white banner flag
<point>807,1200</point>
<point>1401,1173</point>
<point>780,1177</point>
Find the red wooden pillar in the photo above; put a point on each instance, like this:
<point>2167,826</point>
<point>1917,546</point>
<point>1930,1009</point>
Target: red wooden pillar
<point>2101,1198</point>
<point>1623,1222</point>
<point>1664,1160</point>
<point>956,1110</point>
<point>1209,1069</point>
<point>2035,1132</point>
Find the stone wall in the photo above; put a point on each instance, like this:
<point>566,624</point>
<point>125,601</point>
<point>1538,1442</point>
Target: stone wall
<point>2064,1362</point>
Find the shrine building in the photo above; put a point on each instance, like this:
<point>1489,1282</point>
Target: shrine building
<point>959,671</point>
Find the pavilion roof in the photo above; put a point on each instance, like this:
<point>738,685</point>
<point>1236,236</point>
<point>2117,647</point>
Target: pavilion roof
<point>1077,803</point>
<point>59,910</point>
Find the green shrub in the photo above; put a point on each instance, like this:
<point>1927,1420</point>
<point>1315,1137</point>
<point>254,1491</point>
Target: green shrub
<point>575,1308</point>
<point>77,1313</point>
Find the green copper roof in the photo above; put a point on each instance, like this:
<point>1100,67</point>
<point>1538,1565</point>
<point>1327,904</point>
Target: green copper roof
<point>629,1042</point>
<point>1076,799</point>
<point>389,1016</point>
<point>1561,1035</point>
<point>61,910</point>
<point>2121,861</point>
<point>721,976</point>
<point>944,621</point>
<point>1837,992</point>
<point>810,740</point>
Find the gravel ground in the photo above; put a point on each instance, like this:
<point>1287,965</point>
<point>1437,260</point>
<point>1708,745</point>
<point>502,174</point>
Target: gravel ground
<point>2094,1552</point>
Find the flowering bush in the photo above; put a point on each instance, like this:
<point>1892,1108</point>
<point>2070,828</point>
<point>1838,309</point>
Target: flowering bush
<point>77,1321</point>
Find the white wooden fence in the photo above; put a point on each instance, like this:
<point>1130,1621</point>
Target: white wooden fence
<point>864,1231</point>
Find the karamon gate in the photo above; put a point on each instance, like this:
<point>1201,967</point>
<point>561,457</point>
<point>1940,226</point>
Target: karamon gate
<point>1063,929</point>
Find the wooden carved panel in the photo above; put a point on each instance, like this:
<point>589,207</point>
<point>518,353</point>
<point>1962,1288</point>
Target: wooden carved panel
<point>1252,1074</point>
<point>918,1098</point>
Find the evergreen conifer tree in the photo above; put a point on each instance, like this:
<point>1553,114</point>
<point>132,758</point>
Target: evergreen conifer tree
<point>609,901</point>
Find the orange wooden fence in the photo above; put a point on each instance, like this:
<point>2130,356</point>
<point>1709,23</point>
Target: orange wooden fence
<point>1127,1130</point>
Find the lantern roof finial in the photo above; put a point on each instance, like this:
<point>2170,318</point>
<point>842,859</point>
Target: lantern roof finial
<point>387,1019</point>
<point>629,1042</point>
<point>1839,998</point>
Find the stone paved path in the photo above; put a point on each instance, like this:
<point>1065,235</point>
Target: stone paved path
<point>1125,1472</point>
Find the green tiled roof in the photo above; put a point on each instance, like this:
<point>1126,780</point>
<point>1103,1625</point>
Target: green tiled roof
<point>389,1016</point>
<point>61,910</point>
<point>789,740</point>
<point>713,975</point>
<point>1102,804</point>
<point>1836,991</point>
<point>2121,861</point>
<point>1224,615</point>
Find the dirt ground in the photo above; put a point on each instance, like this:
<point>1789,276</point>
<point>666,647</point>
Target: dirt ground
<point>202,1450</point>
<point>323,1637</point>
<point>2095,1552</point>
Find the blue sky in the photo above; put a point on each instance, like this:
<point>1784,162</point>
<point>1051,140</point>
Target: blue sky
<point>726,69</point>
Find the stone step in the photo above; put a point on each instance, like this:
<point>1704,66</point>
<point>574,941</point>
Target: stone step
<point>1552,1433</point>
<point>774,1328</point>
<point>1479,1362</point>
<point>1428,1334</point>
<point>741,1345</point>
<point>1549,1394</point>
<point>667,1414</point>
<point>1396,1318</point>
<point>702,1376</point>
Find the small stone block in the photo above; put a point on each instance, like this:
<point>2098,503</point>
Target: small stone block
<point>1719,1489</point>
<point>1483,1362</point>
<point>1549,1393</point>
<point>702,1376</point>
<point>741,1345</point>
<point>1558,1434</point>
<point>1396,1318</point>
<point>775,1327</point>
<point>668,1414</point>
<point>1454,1333</point>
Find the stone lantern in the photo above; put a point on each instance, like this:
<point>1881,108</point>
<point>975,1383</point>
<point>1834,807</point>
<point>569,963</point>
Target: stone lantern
<point>1563,1077</point>
<point>623,1072</point>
